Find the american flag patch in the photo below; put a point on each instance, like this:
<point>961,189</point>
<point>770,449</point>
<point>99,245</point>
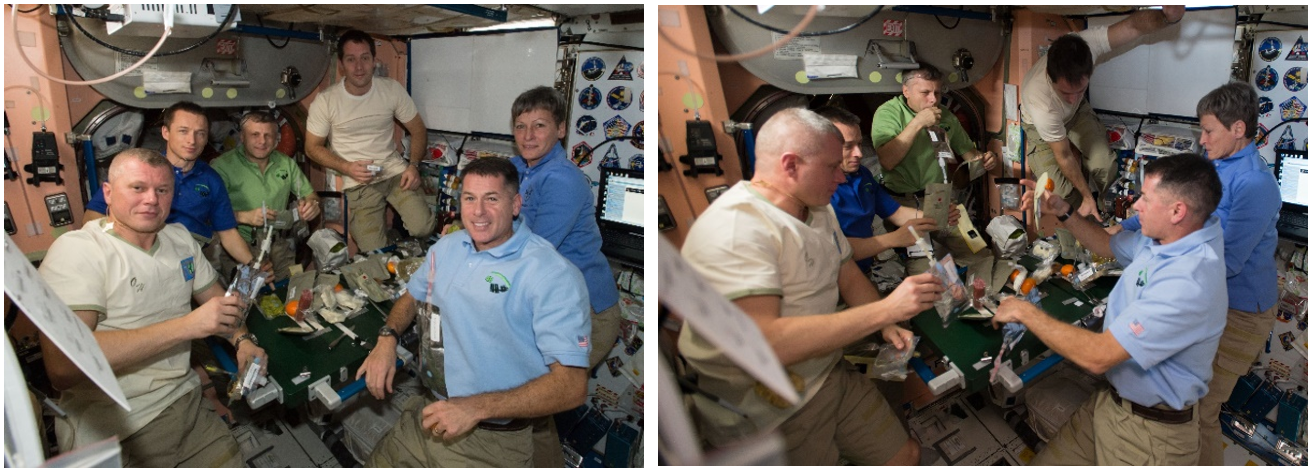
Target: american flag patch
<point>1136,328</point>
<point>583,341</point>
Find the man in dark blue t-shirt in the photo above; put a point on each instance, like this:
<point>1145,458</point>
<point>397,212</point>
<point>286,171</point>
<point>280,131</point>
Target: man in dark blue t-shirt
<point>860,198</point>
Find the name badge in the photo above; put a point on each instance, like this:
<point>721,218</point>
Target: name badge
<point>435,328</point>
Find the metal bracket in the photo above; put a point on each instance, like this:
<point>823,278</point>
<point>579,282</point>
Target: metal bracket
<point>893,54</point>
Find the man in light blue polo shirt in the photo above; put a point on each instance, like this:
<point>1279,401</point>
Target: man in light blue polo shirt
<point>1250,206</point>
<point>514,323</point>
<point>1163,323</point>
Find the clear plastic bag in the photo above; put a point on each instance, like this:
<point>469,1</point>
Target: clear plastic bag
<point>891,363</point>
<point>955,297</point>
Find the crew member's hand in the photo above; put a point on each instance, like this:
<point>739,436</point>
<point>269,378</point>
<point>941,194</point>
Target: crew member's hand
<point>378,368</point>
<point>1173,13</point>
<point>916,293</point>
<point>1112,230</point>
<point>359,171</point>
<point>928,116</point>
<point>1012,309</point>
<point>903,237</point>
<point>1088,207</point>
<point>308,208</point>
<point>896,335</point>
<point>247,352</point>
<point>1051,203</point>
<point>990,160</point>
<point>953,215</point>
<point>449,419</point>
<point>256,216</point>
<point>218,316</point>
<point>410,178</point>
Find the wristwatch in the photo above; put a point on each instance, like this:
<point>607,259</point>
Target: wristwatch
<point>386,331</point>
<point>247,336</point>
<point>1065,216</point>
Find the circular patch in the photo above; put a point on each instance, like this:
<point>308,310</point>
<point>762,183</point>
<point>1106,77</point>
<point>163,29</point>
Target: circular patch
<point>1262,134</point>
<point>590,97</point>
<point>801,77</point>
<point>1296,79</point>
<point>581,154</point>
<point>619,98</point>
<point>1266,79</point>
<point>585,125</point>
<point>1264,105</point>
<point>642,69</point>
<point>593,68</point>
<point>638,130</point>
<point>635,162</point>
<point>1269,49</point>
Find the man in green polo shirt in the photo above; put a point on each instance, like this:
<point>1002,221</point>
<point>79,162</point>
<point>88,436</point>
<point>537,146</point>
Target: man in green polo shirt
<point>260,179</point>
<point>905,147</point>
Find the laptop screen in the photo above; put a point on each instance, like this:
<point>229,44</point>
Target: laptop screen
<point>1291,175</point>
<point>621,197</point>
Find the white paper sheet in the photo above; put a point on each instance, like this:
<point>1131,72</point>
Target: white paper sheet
<point>829,66</point>
<point>719,321</point>
<point>31,293</point>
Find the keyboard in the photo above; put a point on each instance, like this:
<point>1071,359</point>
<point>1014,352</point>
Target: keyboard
<point>1292,225</point>
<point>622,244</point>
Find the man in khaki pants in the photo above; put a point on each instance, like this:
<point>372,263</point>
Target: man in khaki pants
<point>1250,205</point>
<point>1163,323</point>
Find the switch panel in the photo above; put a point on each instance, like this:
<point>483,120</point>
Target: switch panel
<point>60,212</point>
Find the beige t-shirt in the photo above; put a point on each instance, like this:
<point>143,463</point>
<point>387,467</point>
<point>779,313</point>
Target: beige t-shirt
<point>93,269</point>
<point>361,127</point>
<point>745,246</point>
<point>1041,105</point>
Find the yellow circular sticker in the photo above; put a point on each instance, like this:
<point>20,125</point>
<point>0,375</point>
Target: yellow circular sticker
<point>139,92</point>
<point>40,113</point>
<point>282,93</point>
<point>898,77</point>
<point>801,77</point>
<point>207,92</point>
<point>876,77</point>
<point>953,77</point>
<point>232,93</point>
<point>693,101</point>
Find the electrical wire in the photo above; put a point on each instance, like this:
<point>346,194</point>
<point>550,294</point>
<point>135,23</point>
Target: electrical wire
<point>954,25</point>
<point>806,20</point>
<point>232,13</point>
<point>13,27</point>
<point>270,39</point>
<point>843,29</point>
<point>35,8</point>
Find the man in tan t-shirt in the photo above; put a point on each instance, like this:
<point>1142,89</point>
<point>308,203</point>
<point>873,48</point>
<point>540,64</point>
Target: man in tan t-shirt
<point>1058,120</point>
<point>358,115</point>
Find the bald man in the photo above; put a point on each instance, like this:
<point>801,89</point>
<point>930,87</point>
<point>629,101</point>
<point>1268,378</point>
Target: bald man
<point>774,248</point>
<point>131,278</point>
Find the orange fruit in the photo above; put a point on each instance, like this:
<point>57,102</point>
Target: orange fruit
<point>1067,270</point>
<point>291,307</point>
<point>1012,277</point>
<point>337,288</point>
<point>1026,286</point>
<point>1049,185</point>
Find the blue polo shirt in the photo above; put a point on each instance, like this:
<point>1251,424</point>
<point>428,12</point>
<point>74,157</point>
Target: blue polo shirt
<point>1249,209</point>
<point>507,312</point>
<point>1168,311</point>
<point>559,207</point>
<point>200,201</point>
<point>856,202</point>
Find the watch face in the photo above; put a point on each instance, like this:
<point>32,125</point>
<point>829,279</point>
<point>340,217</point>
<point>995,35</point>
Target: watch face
<point>386,331</point>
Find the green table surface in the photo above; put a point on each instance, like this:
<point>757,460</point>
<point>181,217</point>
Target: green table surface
<point>965,342</point>
<point>290,354</point>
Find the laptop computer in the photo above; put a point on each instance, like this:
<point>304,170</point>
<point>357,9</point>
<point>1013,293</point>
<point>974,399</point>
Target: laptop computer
<point>1291,176</point>
<point>620,202</point>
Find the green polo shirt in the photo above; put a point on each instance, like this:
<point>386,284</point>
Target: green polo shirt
<point>919,167</point>
<point>250,189</point>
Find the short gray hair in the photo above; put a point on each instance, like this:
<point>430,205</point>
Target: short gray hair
<point>1232,102</point>
<point>150,157</point>
<point>794,129</point>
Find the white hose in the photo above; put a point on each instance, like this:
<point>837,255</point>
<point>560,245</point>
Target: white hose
<point>13,26</point>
